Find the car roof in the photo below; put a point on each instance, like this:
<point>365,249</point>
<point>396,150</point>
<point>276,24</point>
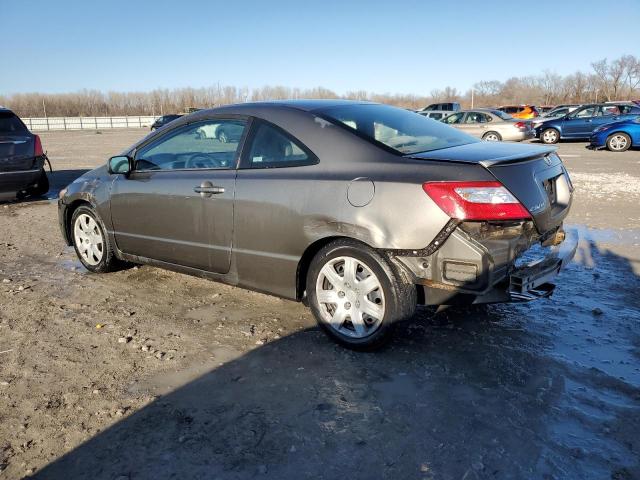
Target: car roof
<point>307,105</point>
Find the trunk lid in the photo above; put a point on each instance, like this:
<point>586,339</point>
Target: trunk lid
<point>534,175</point>
<point>16,152</point>
<point>16,143</point>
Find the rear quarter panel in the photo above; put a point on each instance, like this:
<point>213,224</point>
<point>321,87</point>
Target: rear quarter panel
<point>280,212</point>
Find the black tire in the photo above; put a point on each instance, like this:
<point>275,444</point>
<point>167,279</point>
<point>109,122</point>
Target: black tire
<point>490,134</point>
<point>400,296</point>
<point>42,187</point>
<point>108,262</point>
<point>553,136</point>
<point>611,146</point>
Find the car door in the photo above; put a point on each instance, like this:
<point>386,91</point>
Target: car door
<point>579,123</point>
<point>177,204</point>
<point>276,172</point>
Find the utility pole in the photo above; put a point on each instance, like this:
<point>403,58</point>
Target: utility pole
<point>44,107</point>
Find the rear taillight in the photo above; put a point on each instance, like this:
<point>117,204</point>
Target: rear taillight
<point>37,147</point>
<point>520,125</point>
<point>476,200</point>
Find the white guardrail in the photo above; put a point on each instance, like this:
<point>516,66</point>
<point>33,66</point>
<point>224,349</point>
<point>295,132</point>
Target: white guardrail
<point>88,123</point>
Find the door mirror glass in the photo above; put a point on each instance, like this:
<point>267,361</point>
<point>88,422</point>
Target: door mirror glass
<point>120,164</point>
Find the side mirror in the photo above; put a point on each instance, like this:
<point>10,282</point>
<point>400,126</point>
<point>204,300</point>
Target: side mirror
<point>120,165</point>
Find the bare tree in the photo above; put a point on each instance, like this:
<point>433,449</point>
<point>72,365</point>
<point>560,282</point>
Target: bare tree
<point>611,81</point>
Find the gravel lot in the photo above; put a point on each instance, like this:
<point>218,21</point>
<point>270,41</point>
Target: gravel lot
<point>146,373</point>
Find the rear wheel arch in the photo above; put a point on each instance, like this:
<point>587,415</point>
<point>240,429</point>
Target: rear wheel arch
<point>307,257</point>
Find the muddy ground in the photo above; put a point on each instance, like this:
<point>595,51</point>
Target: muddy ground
<point>148,374</point>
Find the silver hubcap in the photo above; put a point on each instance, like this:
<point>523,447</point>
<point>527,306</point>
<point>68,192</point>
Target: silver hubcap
<point>619,142</point>
<point>350,297</point>
<point>550,136</point>
<point>492,137</point>
<point>88,239</point>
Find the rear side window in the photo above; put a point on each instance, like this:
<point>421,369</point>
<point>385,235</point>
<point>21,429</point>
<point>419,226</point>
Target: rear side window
<point>272,147</point>
<point>10,123</point>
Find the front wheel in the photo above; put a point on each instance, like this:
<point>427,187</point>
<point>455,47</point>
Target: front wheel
<point>90,242</point>
<point>619,142</point>
<point>356,295</point>
<point>550,135</point>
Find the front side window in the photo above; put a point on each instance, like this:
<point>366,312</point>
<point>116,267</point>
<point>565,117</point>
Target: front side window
<point>585,112</point>
<point>454,119</point>
<point>272,147</point>
<point>477,117</point>
<point>401,130</point>
<point>208,144</point>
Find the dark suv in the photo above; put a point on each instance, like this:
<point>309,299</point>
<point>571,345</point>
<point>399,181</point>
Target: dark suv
<point>22,159</point>
<point>162,121</point>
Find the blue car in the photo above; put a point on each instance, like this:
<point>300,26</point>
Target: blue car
<point>581,123</point>
<point>617,136</point>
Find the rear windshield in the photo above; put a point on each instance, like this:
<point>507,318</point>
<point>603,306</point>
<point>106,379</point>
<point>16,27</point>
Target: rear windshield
<point>404,131</point>
<point>10,123</point>
<point>501,114</point>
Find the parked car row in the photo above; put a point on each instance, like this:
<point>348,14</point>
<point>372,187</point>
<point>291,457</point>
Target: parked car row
<point>611,125</point>
<point>584,121</point>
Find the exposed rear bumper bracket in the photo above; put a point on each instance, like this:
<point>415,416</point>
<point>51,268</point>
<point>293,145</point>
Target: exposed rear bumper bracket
<point>533,280</point>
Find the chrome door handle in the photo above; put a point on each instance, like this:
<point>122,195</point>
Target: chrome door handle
<point>207,189</point>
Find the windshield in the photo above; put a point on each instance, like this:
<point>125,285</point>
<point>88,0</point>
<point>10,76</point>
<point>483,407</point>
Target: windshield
<point>10,123</point>
<point>502,115</point>
<point>403,131</point>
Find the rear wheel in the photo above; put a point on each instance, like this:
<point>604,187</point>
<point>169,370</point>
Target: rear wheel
<point>550,135</point>
<point>618,142</point>
<point>356,295</point>
<point>90,242</point>
<point>42,187</point>
<point>492,137</point>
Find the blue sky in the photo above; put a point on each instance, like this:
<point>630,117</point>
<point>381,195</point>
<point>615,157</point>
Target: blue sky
<point>382,46</point>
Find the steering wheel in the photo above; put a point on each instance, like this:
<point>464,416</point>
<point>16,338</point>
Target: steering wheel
<point>200,160</point>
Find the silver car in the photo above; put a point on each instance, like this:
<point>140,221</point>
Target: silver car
<point>360,210</point>
<point>491,125</point>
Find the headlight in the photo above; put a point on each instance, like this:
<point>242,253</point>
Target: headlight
<point>63,192</point>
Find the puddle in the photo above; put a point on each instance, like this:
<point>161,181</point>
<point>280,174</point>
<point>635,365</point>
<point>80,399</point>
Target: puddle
<point>606,235</point>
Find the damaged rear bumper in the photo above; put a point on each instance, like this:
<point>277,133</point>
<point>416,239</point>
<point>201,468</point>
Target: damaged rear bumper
<point>533,280</point>
<point>469,270</point>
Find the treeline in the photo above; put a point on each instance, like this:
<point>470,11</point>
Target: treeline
<point>608,80</point>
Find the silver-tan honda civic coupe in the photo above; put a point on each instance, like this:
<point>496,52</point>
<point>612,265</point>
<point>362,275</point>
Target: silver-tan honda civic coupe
<point>361,210</point>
